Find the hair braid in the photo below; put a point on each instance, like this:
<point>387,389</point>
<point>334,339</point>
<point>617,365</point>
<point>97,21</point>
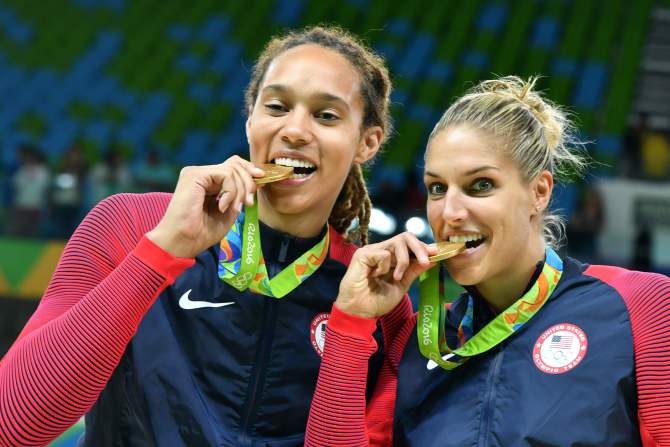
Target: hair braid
<point>353,202</point>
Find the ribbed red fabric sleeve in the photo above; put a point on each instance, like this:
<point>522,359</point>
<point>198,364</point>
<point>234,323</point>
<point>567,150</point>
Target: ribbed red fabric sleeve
<point>647,297</point>
<point>338,416</point>
<point>106,280</point>
<point>340,249</point>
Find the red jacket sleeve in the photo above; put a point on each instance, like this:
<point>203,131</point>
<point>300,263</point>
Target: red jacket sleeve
<point>106,280</point>
<point>339,416</point>
<point>647,297</point>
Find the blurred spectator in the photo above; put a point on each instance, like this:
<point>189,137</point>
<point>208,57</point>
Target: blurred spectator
<point>585,225</point>
<point>630,165</point>
<point>388,196</point>
<point>655,155</point>
<point>109,176</point>
<point>30,184</point>
<point>414,199</point>
<point>646,152</point>
<point>67,193</point>
<point>155,174</point>
<point>5,195</point>
<point>642,250</point>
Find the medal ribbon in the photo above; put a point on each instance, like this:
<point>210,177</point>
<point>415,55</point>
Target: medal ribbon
<point>432,314</point>
<point>241,262</point>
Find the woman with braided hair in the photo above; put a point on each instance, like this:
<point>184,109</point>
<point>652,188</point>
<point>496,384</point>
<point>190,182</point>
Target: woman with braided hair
<point>196,318</point>
<point>539,351</point>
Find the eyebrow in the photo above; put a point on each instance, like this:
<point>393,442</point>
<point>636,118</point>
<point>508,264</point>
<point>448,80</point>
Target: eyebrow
<point>470,172</point>
<point>321,96</point>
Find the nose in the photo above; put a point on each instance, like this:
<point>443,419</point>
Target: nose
<point>454,211</point>
<point>296,130</point>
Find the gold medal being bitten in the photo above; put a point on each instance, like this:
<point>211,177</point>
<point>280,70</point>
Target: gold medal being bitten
<point>273,173</point>
<point>446,250</point>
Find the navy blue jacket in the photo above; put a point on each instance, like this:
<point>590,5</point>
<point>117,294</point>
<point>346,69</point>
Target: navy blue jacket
<point>567,378</point>
<point>238,375</point>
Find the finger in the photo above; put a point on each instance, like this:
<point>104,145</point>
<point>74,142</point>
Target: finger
<point>401,254</point>
<point>211,177</point>
<point>366,262</point>
<point>245,175</point>
<point>240,192</point>
<point>229,217</point>
<point>412,273</point>
<point>252,169</point>
<point>419,249</point>
<point>384,264</point>
<point>379,261</point>
<point>227,193</point>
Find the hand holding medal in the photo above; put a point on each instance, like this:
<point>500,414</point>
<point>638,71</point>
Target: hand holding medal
<point>380,274</point>
<point>206,203</point>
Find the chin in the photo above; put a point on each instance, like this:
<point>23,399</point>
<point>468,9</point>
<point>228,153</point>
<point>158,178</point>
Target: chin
<point>286,203</point>
<point>464,277</point>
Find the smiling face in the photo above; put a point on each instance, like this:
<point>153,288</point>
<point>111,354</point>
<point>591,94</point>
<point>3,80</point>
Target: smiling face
<point>308,115</point>
<point>477,193</point>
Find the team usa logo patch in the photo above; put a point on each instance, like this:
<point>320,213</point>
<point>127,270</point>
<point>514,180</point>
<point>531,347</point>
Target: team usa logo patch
<point>560,348</point>
<point>317,331</point>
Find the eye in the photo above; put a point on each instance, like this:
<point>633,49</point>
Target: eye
<point>436,188</point>
<point>275,107</point>
<point>326,115</point>
<point>482,185</point>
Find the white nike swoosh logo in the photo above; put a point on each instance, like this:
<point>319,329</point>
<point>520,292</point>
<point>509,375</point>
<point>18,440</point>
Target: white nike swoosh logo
<point>187,304</point>
<point>432,364</point>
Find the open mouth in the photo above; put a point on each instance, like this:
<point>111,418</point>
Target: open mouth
<point>471,241</point>
<point>301,168</point>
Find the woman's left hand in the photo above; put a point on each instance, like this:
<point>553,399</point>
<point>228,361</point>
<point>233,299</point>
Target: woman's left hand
<point>379,275</point>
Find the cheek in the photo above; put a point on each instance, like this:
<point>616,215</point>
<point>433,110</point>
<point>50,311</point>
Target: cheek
<point>258,137</point>
<point>515,229</point>
<point>433,214</point>
<point>339,143</point>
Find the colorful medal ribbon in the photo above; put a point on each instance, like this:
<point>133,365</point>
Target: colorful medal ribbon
<point>432,312</point>
<point>241,262</point>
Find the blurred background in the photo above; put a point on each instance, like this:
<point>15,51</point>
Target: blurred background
<point>103,96</point>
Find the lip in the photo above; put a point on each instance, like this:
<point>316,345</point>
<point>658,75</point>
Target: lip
<point>469,252</point>
<point>293,181</point>
<point>296,155</point>
<point>462,233</point>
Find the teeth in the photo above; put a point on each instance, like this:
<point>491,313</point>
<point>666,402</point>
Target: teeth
<point>465,238</point>
<point>295,163</point>
<point>298,176</point>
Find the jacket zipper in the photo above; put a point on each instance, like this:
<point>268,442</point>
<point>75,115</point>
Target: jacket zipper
<point>265,343</point>
<point>489,399</point>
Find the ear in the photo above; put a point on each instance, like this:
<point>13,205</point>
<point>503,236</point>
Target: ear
<point>541,189</point>
<point>371,141</point>
<point>247,126</point>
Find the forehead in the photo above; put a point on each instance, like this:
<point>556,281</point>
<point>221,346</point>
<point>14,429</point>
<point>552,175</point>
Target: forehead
<point>459,149</point>
<point>314,69</point>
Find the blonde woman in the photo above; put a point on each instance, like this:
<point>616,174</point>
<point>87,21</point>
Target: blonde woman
<point>540,350</point>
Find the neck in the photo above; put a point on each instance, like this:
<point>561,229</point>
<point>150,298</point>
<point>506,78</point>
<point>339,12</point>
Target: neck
<point>308,224</point>
<point>501,292</point>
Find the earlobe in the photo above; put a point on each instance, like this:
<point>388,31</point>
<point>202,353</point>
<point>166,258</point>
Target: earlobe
<point>370,143</point>
<point>247,126</point>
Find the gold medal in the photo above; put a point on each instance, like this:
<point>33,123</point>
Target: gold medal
<point>446,250</point>
<point>273,173</point>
